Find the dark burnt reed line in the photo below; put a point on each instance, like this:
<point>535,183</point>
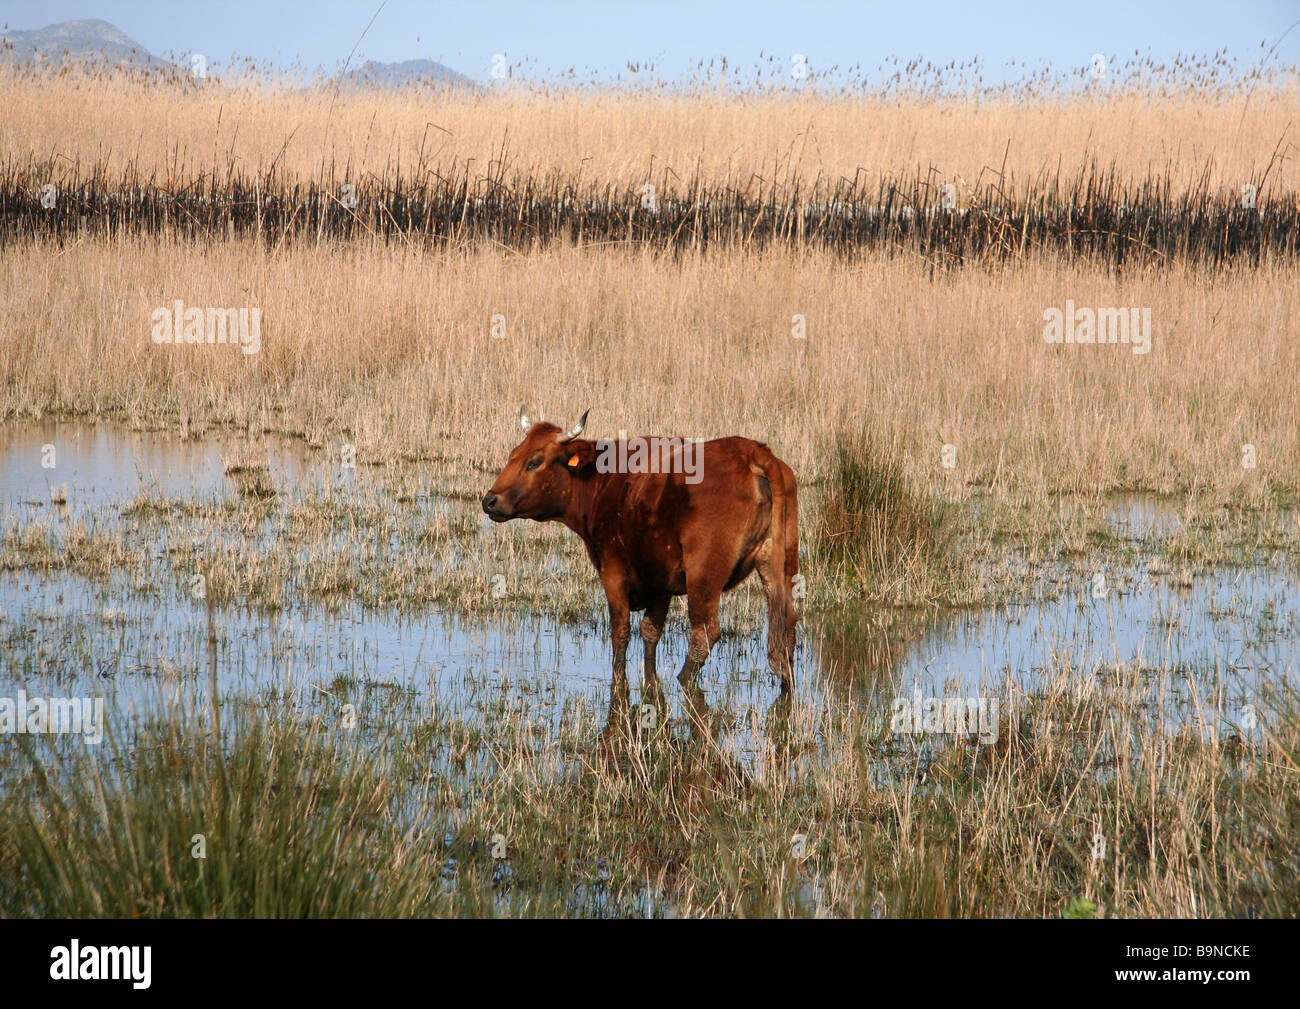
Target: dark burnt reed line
<point>1094,215</point>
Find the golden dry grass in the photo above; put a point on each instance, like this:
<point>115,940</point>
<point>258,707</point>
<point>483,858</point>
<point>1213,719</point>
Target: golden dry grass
<point>393,348</point>
<point>1224,137</point>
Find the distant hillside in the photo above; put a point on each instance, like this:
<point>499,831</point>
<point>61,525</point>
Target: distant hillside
<point>86,41</point>
<point>95,42</point>
<point>397,75</point>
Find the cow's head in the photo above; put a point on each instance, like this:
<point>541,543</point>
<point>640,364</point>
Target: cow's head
<point>539,474</point>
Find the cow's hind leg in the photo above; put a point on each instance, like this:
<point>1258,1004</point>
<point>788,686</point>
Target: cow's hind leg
<point>702,609</point>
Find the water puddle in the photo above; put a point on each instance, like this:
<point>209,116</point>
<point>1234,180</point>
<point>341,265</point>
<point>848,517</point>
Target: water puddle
<point>1138,516</point>
<point>84,467</point>
<point>1231,631</point>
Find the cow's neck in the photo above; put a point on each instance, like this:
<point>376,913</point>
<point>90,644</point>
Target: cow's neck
<point>582,505</point>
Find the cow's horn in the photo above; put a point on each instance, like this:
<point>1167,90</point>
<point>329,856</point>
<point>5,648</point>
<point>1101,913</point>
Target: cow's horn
<point>576,430</point>
<point>524,422</point>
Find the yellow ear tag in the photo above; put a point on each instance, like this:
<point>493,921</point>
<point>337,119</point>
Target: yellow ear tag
<point>573,461</point>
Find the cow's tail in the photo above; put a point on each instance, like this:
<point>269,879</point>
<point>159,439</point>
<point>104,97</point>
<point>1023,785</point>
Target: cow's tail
<point>784,582</point>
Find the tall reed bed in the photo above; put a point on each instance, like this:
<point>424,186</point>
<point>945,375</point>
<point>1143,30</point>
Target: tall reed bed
<point>395,350</point>
<point>1146,125</point>
<point>1093,214</point>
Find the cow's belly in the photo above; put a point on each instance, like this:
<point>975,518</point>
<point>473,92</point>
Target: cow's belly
<point>739,574</point>
<point>655,575</point>
<point>646,583</point>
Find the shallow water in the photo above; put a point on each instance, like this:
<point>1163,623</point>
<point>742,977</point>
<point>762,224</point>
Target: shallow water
<point>62,634</point>
<point>1242,621</point>
<point>103,465</point>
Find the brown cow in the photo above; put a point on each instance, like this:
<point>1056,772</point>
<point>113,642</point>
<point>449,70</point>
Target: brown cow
<point>693,526</point>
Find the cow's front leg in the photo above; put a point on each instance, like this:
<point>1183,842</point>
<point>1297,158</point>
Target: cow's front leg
<point>614,579</point>
<point>652,629</point>
<point>616,725</point>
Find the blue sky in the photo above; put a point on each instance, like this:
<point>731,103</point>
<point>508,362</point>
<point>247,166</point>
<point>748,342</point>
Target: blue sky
<point>601,37</point>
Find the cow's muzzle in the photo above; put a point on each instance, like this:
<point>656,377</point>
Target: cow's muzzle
<point>493,509</point>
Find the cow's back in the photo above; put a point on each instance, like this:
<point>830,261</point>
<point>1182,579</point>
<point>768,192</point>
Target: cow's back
<point>742,500</point>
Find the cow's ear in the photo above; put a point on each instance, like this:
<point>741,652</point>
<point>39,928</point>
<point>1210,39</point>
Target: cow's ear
<point>579,457</point>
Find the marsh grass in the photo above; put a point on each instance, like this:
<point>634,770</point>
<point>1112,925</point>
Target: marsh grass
<point>293,831</point>
<point>596,815</point>
<point>877,526</point>
<point>953,179</point>
<point>392,351</point>
<point>183,136</point>
<point>1092,216</point>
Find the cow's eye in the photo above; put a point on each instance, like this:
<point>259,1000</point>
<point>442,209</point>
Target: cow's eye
<point>533,463</point>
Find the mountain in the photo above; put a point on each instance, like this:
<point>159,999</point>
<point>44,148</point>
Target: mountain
<point>96,42</point>
<point>86,41</point>
<point>398,75</point>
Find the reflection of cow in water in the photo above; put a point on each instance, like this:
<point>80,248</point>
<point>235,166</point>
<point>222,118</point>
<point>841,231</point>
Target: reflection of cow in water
<point>655,535</point>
